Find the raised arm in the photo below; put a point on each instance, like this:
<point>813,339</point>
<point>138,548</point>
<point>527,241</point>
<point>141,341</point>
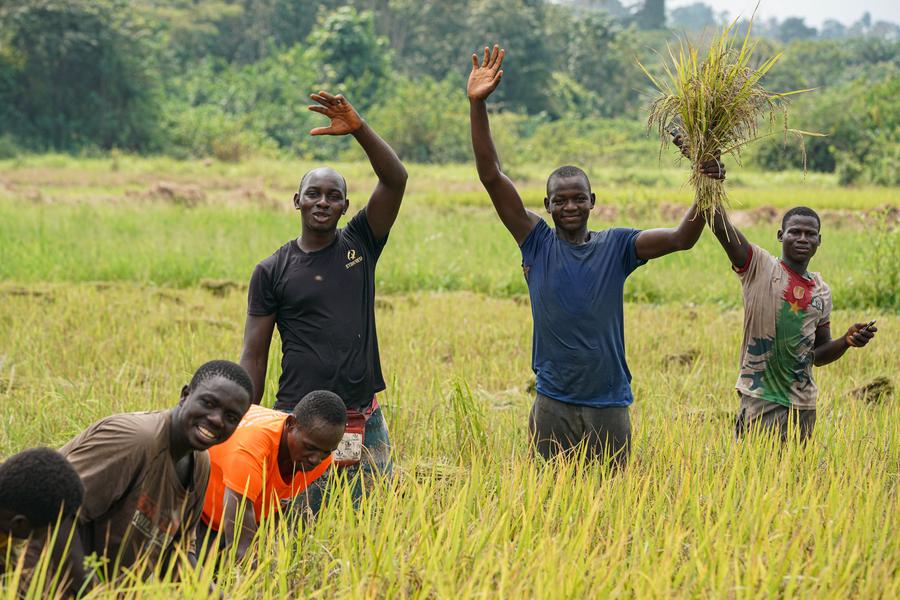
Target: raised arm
<point>653,243</point>
<point>483,80</point>
<point>255,353</point>
<point>732,240</point>
<point>384,203</point>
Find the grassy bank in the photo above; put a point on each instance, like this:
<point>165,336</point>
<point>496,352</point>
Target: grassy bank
<point>432,247</point>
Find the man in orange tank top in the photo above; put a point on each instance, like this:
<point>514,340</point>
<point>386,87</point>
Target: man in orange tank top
<point>270,459</point>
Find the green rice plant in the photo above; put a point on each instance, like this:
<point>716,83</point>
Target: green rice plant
<point>715,103</point>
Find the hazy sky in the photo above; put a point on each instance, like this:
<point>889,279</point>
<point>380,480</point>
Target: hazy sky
<point>814,11</point>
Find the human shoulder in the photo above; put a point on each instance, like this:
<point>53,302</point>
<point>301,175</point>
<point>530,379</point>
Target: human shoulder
<point>615,233</point>
<point>821,289</point>
<point>278,257</point>
<point>539,234</point>
<point>135,431</point>
<point>262,295</point>
<point>260,417</point>
<point>818,279</point>
<point>113,453</point>
<point>758,260</point>
<point>358,230</point>
<point>260,429</point>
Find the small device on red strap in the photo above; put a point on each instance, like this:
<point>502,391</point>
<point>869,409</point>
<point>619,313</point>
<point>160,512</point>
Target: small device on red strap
<point>349,451</point>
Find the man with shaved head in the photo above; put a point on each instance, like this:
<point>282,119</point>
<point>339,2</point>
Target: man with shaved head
<point>576,279</point>
<point>319,290</point>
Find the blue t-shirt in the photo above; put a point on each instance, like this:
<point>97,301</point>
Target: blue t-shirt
<point>578,347</point>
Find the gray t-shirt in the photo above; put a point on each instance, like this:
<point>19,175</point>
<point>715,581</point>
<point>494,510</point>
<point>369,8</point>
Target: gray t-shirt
<point>782,310</point>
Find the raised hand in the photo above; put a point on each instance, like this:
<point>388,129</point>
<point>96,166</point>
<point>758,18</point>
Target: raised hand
<point>485,77</point>
<point>714,169</point>
<point>344,118</point>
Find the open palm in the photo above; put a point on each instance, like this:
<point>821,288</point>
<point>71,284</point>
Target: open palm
<point>344,118</point>
<point>485,77</point>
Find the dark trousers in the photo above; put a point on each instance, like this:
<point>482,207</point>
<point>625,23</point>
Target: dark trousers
<point>560,427</point>
<point>757,414</point>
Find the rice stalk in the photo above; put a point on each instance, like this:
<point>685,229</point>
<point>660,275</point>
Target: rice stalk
<point>716,103</point>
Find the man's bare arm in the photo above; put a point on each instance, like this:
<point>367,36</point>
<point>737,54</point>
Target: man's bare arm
<point>828,350</point>
<point>731,239</point>
<point>483,80</point>
<point>255,353</point>
<point>384,203</point>
<point>653,243</point>
<point>232,504</point>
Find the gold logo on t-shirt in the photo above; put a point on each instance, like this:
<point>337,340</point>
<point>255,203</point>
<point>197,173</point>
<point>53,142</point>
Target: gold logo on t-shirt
<point>353,258</point>
<point>799,292</point>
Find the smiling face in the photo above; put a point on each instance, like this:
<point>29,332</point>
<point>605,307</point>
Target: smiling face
<point>322,200</point>
<point>800,238</point>
<point>569,201</point>
<point>209,413</point>
<point>309,446</point>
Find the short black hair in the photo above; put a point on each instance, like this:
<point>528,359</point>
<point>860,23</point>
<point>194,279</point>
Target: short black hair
<point>567,171</point>
<point>320,405</point>
<point>802,211</point>
<point>308,173</point>
<point>227,369</point>
<point>38,483</point>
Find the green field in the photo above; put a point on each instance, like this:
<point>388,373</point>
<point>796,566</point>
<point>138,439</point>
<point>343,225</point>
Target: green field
<point>172,223</point>
<point>104,308</point>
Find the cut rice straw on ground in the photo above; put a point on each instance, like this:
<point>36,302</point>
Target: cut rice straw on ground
<point>716,103</point>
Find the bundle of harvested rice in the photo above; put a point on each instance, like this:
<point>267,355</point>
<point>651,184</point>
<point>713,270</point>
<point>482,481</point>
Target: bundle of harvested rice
<point>716,103</point>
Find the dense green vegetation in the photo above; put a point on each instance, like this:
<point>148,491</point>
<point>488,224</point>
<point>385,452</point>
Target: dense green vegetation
<point>229,78</point>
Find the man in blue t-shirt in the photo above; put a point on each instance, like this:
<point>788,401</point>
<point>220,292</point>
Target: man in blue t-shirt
<point>575,279</point>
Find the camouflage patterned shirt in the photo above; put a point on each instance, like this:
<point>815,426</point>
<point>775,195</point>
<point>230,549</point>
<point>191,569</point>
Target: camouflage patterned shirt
<point>782,310</point>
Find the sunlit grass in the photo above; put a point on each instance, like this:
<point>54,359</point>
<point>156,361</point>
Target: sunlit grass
<point>469,514</point>
<point>101,311</point>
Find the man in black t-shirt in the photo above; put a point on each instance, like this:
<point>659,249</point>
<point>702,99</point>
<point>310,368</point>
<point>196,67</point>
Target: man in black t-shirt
<point>319,290</point>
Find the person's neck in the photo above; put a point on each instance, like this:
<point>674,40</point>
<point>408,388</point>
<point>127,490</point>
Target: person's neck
<point>179,447</point>
<point>574,237</point>
<point>799,268</point>
<point>311,241</point>
<point>285,464</point>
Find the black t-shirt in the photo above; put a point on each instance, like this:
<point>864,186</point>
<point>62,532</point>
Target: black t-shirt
<point>324,303</point>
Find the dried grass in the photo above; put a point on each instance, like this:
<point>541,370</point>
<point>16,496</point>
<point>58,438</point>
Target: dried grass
<point>716,103</point>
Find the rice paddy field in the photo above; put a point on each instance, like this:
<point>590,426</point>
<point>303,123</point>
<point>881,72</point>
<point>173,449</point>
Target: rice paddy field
<point>119,276</point>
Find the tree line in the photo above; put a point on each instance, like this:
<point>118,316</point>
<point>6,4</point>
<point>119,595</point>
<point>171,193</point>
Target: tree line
<point>229,78</point>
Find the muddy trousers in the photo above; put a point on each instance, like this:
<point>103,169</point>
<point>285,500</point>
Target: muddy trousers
<point>761,415</point>
<point>557,427</point>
